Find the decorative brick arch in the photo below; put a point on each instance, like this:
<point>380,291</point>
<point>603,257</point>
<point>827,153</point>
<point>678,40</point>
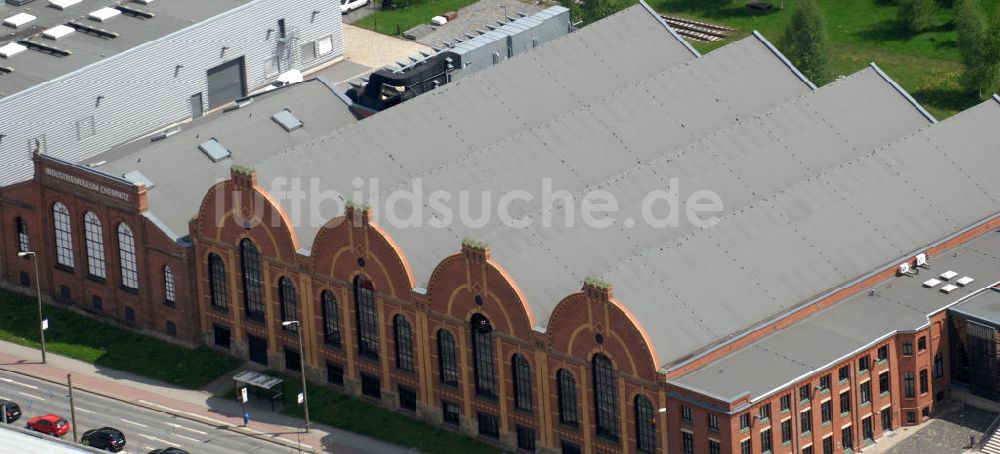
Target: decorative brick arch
<point>470,282</point>
<point>592,321</point>
<point>347,242</point>
<point>239,208</point>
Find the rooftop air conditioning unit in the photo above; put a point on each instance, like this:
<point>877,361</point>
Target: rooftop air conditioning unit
<point>904,269</point>
<point>922,260</point>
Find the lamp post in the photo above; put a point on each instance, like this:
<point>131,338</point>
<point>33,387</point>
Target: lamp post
<point>302,368</point>
<point>38,286</point>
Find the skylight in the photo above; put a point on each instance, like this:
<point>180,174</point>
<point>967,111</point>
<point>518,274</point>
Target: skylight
<point>287,120</point>
<point>214,150</point>
<point>11,49</point>
<point>104,14</point>
<point>58,31</point>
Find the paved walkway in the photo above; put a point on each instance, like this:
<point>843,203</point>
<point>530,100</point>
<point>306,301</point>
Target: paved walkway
<point>201,406</point>
<point>476,16</point>
<point>374,50</point>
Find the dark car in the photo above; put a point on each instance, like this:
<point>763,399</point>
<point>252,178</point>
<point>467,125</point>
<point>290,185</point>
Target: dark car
<point>107,438</point>
<point>51,424</point>
<point>168,451</point>
<point>12,409</point>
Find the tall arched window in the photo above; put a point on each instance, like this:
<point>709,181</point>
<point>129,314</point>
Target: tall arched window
<point>217,282</point>
<point>484,356</point>
<point>64,235</point>
<point>95,245</point>
<point>645,425</point>
<point>566,392</point>
<point>522,382</point>
<point>286,298</point>
<point>447,358</point>
<point>367,318</point>
<point>23,245</point>
<point>169,292</point>
<point>126,253</point>
<point>253,292</point>
<point>331,319</point>
<point>605,397</point>
<point>404,343</point>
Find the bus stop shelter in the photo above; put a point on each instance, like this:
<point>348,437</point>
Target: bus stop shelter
<point>264,387</point>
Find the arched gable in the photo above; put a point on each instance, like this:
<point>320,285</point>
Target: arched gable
<point>239,208</point>
<point>351,244</point>
<point>592,321</point>
<point>470,282</point>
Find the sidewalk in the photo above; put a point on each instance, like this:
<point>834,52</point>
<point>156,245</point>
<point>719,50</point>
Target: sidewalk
<point>196,405</point>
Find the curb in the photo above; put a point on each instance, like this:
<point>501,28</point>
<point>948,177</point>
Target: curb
<point>184,415</point>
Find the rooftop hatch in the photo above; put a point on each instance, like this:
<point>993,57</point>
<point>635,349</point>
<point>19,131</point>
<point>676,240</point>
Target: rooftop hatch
<point>214,150</point>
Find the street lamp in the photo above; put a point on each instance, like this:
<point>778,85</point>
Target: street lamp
<point>38,286</point>
<point>302,368</point>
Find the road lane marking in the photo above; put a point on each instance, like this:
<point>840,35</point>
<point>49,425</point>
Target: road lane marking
<point>5,398</point>
<point>187,438</point>
<point>134,423</point>
<point>18,383</point>
<point>32,396</point>
<point>83,410</point>
<point>189,429</point>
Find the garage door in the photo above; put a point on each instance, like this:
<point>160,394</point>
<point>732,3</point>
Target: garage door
<point>226,82</point>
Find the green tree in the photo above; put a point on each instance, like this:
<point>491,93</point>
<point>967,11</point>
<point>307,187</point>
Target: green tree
<point>595,10</point>
<point>917,15</point>
<point>573,7</point>
<point>805,42</point>
<point>979,44</point>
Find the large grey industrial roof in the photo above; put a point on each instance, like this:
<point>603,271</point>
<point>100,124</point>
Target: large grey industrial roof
<point>182,174</point>
<point>33,67</point>
<point>984,307</point>
<point>935,183</point>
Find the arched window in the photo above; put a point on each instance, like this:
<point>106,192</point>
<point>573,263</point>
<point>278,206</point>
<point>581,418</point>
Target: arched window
<point>23,245</point>
<point>331,319</point>
<point>64,235</point>
<point>367,318</point>
<point>95,245</point>
<point>484,356</point>
<point>253,292</point>
<point>567,398</point>
<point>645,425</point>
<point>404,343</point>
<point>447,358</point>
<point>126,252</point>
<point>217,282</point>
<point>522,382</point>
<point>286,298</point>
<point>605,397</point>
<point>169,291</point>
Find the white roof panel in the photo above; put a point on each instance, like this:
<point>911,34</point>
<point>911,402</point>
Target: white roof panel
<point>18,20</point>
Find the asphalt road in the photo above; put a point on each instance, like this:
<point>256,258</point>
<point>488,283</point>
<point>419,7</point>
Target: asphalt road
<point>144,429</point>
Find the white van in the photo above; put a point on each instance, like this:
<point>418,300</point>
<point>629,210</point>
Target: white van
<point>347,6</point>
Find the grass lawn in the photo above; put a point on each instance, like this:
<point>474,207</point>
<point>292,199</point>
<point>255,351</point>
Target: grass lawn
<point>103,344</point>
<point>860,32</point>
<point>345,412</point>
<point>408,15</point>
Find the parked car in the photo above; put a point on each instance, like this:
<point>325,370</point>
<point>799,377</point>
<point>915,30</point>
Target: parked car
<point>168,451</point>
<point>50,424</point>
<point>347,6</point>
<point>13,411</point>
<point>106,438</point>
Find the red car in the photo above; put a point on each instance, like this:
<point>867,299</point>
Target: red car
<point>50,424</point>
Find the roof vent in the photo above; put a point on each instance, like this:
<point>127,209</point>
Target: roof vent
<point>63,4</point>
<point>964,280</point>
<point>58,31</point>
<point>11,49</point>
<point>948,275</point>
<point>104,14</point>
<point>144,2</point>
<point>214,150</point>
<point>287,120</point>
<point>136,177</point>
<point>18,20</point>
<point>931,283</point>
<point>948,288</point>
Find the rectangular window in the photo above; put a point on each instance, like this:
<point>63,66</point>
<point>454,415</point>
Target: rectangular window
<point>687,442</point>
<point>334,374</point>
<point>804,393</point>
<point>923,382</point>
<point>98,303</point>
<point>489,425</point>
<point>911,417</point>
<point>786,402</point>
<point>129,314</point>
<point>908,386</point>
<point>292,359</point>
<point>867,432</point>
<point>686,413</point>
<point>746,447</point>
<point>828,445</point>
<point>324,45</point>
<point>826,411</point>
<point>847,438</point>
<point>745,421</point>
<point>938,365</point>
<point>171,328</point>
<point>883,382</point>
<point>23,245</point>
<point>845,402</point>
<point>451,413</point>
<point>866,393</point>
<point>223,336</point>
<point>714,447</point>
<point>407,399</point>
<point>806,421</point>
<point>883,353</point>
<point>863,364</point>
<point>824,382</point>
<point>25,279</point>
<point>85,128</point>
<point>786,431</point>
<point>526,438</point>
<point>907,348</point>
<point>844,373</point>
<point>308,51</point>
<point>713,422</point>
<point>807,450</point>
<point>922,343</point>
<point>764,412</point>
<point>765,440</point>
<point>886,419</point>
<point>371,387</point>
